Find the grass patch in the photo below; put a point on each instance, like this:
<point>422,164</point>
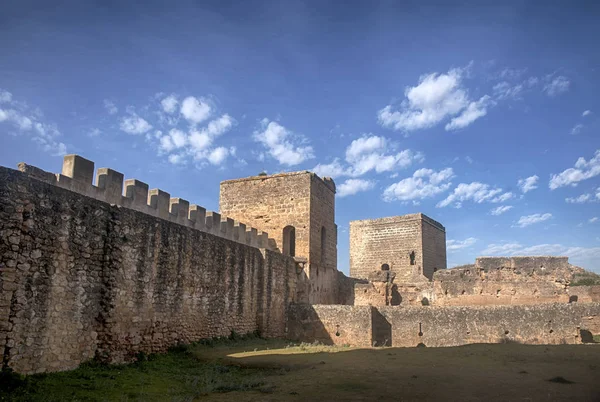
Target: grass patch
<point>179,375</point>
<point>597,338</point>
<point>585,279</point>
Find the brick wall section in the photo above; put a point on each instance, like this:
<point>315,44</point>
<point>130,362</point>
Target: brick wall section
<point>443,326</point>
<point>391,241</point>
<point>80,278</point>
<point>302,200</point>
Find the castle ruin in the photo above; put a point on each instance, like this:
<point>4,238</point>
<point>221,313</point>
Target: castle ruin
<point>114,268</point>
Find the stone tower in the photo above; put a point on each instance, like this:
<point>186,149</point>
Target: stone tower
<point>407,245</point>
<point>297,210</point>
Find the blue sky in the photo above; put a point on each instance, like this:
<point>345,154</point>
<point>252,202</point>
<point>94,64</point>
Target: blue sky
<point>483,117</point>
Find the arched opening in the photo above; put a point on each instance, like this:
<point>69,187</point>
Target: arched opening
<point>412,258</point>
<point>385,267</point>
<point>323,244</point>
<point>289,241</point>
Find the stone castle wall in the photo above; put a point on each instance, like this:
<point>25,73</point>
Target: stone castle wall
<point>80,277</point>
<point>300,200</point>
<point>392,241</point>
<point>410,326</point>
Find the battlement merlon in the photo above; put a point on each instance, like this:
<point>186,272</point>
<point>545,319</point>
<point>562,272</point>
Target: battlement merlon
<point>327,181</point>
<point>77,176</point>
<point>398,219</point>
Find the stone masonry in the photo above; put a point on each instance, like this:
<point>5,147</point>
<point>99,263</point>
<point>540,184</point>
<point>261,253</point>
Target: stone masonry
<point>300,203</point>
<point>409,246</point>
<point>83,278</point>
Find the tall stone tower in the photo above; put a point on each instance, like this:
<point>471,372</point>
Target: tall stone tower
<point>406,245</point>
<point>297,210</point>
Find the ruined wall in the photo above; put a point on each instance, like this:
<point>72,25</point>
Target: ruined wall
<point>392,240</point>
<point>584,294</point>
<point>506,280</point>
<point>444,326</point>
<point>299,199</point>
<point>81,278</point>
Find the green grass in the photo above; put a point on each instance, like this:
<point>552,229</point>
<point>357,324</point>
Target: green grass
<point>182,374</point>
<point>597,338</point>
<point>585,279</point>
<point>255,370</point>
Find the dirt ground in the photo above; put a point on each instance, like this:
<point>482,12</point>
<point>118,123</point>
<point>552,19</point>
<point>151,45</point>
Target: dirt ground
<point>499,372</point>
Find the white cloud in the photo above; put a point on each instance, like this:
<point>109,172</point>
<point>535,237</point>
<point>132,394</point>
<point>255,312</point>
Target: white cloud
<point>469,160</point>
<point>504,90</point>
<point>556,85</point>
<point>503,197</point>
<point>532,81</point>
<point>179,138</point>
<point>110,106</point>
<point>195,110</point>
<point>282,144</point>
<point>353,186</point>
<point>169,104</point>
<point>218,155</point>
<point>200,140</point>
<point>512,73</point>
<point>528,184</point>
<point>219,126</point>
<point>28,121</point>
<point>177,159</point>
<point>436,98</point>
<point>424,183</point>
<point>576,129</point>
<point>586,113</point>
<point>501,209</point>
<point>476,192</point>
<point>94,132</point>
<point>594,219</point>
<point>5,96</point>
<point>474,111</point>
<point>174,140</point>
<point>583,170</point>
<point>527,220</point>
<point>454,245</point>
<point>370,153</point>
<point>135,125</point>
<point>583,198</point>
<point>333,169</point>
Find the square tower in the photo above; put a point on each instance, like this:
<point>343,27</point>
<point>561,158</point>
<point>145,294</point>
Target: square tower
<point>406,245</point>
<point>297,210</point>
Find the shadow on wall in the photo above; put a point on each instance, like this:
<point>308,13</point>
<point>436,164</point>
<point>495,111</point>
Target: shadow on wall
<point>381,329</point>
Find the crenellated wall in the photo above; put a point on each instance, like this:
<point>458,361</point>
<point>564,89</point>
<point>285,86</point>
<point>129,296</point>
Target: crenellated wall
<point>81,277</point>
<point>78,173</point>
